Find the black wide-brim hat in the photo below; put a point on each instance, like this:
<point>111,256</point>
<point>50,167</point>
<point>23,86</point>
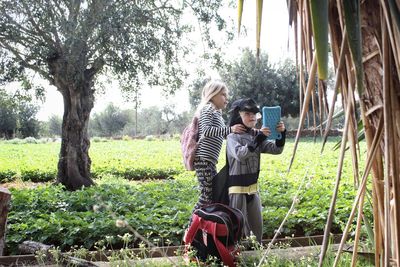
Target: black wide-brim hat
<point>246,104</point>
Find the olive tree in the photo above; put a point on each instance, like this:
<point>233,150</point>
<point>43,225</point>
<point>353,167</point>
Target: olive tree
<point>71,43</point>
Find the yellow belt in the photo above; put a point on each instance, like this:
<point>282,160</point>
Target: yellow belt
<point>251,189</point>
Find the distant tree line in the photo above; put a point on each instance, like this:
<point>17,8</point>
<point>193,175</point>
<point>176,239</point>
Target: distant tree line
<point>17,116</point>
<point>113,122</point>
<point>267,84</point>
<point>116,122</point>
<point>18,120</point>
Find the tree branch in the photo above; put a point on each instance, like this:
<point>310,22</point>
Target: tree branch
<point>24,62</point>
<point>20,28</point>
<point>53,29</point>
<point>73,11</point>
<point>36,26</point>
<point>98,64</point>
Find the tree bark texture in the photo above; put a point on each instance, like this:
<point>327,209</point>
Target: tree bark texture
<point>75,85</point>
<point>5,197</point>
<point>374,83</point>
<point>74,162</point>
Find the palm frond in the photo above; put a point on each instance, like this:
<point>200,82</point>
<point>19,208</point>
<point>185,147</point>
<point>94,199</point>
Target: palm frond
<point>259,7</point>
<point>319,18</point>
<point>240,13</point>
<point>351,10</point>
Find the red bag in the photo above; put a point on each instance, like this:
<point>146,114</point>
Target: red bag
<point>190,143</point>
<point>215,230</point>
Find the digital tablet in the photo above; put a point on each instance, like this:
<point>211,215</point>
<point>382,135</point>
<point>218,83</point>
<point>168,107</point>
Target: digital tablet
<point>271,116</point>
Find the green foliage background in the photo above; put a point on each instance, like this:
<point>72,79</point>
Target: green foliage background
<point>159,208</point>
<point>267,84</point>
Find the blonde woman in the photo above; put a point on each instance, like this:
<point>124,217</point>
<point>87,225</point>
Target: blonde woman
<point>212,130</point>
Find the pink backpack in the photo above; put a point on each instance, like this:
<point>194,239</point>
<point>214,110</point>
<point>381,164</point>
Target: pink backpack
<point>189,143</point>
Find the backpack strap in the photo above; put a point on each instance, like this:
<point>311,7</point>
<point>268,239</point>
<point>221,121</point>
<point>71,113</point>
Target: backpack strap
<point>207,226</point>
<point>211,228</point>
<point>222,250</point>
<point>191,232</point>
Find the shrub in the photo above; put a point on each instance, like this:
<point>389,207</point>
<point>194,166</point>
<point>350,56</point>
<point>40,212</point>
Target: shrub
<point>37,175</point>
<point>7,176</point>
<point>149,138</point>
<point>98,139</point>
<point>49,214</point>
<point>15,141</point>
<point>30,140</point>
<point>126,138</point>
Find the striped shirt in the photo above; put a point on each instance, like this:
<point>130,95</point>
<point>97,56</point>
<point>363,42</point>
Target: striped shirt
<point>212,131</point>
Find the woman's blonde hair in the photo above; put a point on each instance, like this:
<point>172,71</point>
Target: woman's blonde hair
<point>211,89</point>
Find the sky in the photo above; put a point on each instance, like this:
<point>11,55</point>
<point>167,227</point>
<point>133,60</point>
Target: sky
<point>275,37</point>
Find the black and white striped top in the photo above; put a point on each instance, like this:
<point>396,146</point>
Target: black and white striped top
<point>212,131</point>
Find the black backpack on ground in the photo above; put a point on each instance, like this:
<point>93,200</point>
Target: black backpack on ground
<point>215,230</point>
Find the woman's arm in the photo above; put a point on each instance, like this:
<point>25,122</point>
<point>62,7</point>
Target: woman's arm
<point>208,127</point>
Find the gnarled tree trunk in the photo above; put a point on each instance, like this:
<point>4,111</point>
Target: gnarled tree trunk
<point>75,86</point>
<point>74,162</point>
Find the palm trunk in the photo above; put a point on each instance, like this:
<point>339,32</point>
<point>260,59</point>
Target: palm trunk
<point>379,100</point>
<point>373,104</point>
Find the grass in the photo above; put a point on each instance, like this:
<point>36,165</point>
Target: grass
<point>159,209</point>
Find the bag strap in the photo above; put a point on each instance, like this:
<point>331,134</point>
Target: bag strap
<point>196,120</point>
<point>194,226</point>
<point>222,250</point>
<point>206,225</point>
<point>212,228</point>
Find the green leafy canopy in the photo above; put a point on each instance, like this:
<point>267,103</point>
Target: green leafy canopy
<point>132,40</point>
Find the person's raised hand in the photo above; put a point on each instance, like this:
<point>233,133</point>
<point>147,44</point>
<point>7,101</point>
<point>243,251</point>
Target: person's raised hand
<point>238,128</point>
<point>280,127</point>
<point>266,131</point>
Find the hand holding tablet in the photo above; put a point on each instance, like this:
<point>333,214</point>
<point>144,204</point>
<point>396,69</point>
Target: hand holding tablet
<point>271,116</point>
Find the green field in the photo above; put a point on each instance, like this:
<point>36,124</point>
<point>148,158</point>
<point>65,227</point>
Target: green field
<point>144,183</point>
<point>136,159</point>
